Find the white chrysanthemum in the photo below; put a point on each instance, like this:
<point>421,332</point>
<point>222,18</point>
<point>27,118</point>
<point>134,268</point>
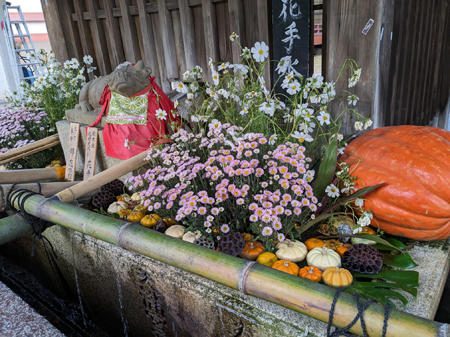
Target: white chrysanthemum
<point>332,191</point>
<point>283,65</point>
<point>161,114</point>
<point>180,87</point>
<point>352,99</point>
<point>293,88</point>
<point>302,137</point>
<point>260,51</point>
<point>324,118</point>
<point>88,59</point>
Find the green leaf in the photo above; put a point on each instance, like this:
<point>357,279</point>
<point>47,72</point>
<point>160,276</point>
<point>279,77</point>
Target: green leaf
<point>326,170</point>
<point>318,219</point>
<point>384,285</point>
<point>381,295</point>
<point>408,277</point>
<point>357,194</point>
<point>403,261</point>
<point>392,241</point>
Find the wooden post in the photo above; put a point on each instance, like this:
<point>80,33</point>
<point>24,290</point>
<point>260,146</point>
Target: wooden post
<point>187,24</point>
<point>148,40</point>
<point>346,20</point>
<point>168,45</point>
<point>55,33</point>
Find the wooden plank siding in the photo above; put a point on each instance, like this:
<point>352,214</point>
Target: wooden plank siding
<point>171,36</point>
<point>405,79</point>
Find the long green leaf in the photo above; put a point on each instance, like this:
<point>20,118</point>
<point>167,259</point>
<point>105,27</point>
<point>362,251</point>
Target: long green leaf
<point>357,194</point>
<point>409,277</point>
<point>403,261</point>
<point>392,241</point>
<point>326,170</point>
<point>318,219</point>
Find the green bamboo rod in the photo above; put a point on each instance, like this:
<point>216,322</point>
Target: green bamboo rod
<point>12,228</point>
<point>309,298</point>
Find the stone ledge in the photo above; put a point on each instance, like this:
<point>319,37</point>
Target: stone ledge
<point>17,318</point>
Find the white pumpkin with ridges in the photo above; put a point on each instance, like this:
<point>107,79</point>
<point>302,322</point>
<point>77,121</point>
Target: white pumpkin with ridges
<point>323,258</point>
<point>293,251</point>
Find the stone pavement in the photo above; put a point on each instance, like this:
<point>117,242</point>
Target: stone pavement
<point>17,318</point>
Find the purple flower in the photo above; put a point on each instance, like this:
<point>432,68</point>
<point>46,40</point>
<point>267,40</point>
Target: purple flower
<point>267,231</point>
<point>225,228</point>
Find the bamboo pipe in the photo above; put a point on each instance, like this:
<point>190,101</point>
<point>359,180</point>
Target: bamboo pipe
<point>31,175</point>
<point>102,178</point>
<point>29,149</point>
<point>47,190</point>
<point>12,228</point>
<point>309,298</point>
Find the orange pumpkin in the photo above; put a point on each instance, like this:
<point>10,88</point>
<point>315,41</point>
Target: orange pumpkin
<point>267,259</point>
<point>286,266</point>
<point>342,249</point>
<point>313,243</point>
<point>311,273</point>
<point>337,277</point>
<point>252,250</point>
<point>414,161</point>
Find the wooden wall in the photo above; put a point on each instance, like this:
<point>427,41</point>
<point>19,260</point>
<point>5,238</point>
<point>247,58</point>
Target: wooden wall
<point>404,57</point>
<point>171,36</point>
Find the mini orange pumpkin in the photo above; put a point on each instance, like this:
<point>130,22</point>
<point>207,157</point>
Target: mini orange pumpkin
<point>150,220</point>
<point>169,222</point>
<point>337,277</point>
<point>313,243</point>
<point>252,250</point>
<point>368,230</point>
<point>311,273</point>
<point>267,259</point>
<point>342,249</point>
<point>286,266</point>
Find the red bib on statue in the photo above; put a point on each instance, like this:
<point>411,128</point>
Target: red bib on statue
<point>126,134</point>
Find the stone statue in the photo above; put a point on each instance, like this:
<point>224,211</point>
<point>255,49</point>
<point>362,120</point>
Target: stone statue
<point>125,80</point>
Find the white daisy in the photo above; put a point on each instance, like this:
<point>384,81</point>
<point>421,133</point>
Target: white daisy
<point>302,137</point>
<point>161,114</point>
<point>332,191</point>
<point>260,51</point>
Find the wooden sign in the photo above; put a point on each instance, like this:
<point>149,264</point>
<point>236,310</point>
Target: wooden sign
<point>291,37</point>
<point>90,153</point>
<point>71,160</point>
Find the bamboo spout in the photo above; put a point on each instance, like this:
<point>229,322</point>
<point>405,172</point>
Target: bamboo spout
<point>87,186</point>
<point>306,297</point>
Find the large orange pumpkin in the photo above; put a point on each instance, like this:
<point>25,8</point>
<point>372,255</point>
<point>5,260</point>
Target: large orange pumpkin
<point>414,162</point>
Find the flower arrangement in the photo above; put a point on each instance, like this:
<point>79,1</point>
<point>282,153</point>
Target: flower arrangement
<point>39,104</point>
<point>21,126</point>
<point>217,185</point>
<point>57,86</point>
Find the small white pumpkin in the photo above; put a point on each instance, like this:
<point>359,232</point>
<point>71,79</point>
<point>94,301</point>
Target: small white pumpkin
<point>192,236</point>
<point>177,231</point>
<point>323,258</point>
<point>293,251</point>
<point>117,206</point>
<point>136,196</point>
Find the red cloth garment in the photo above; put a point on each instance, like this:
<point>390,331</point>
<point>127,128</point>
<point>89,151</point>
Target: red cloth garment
<point>138,137</point>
